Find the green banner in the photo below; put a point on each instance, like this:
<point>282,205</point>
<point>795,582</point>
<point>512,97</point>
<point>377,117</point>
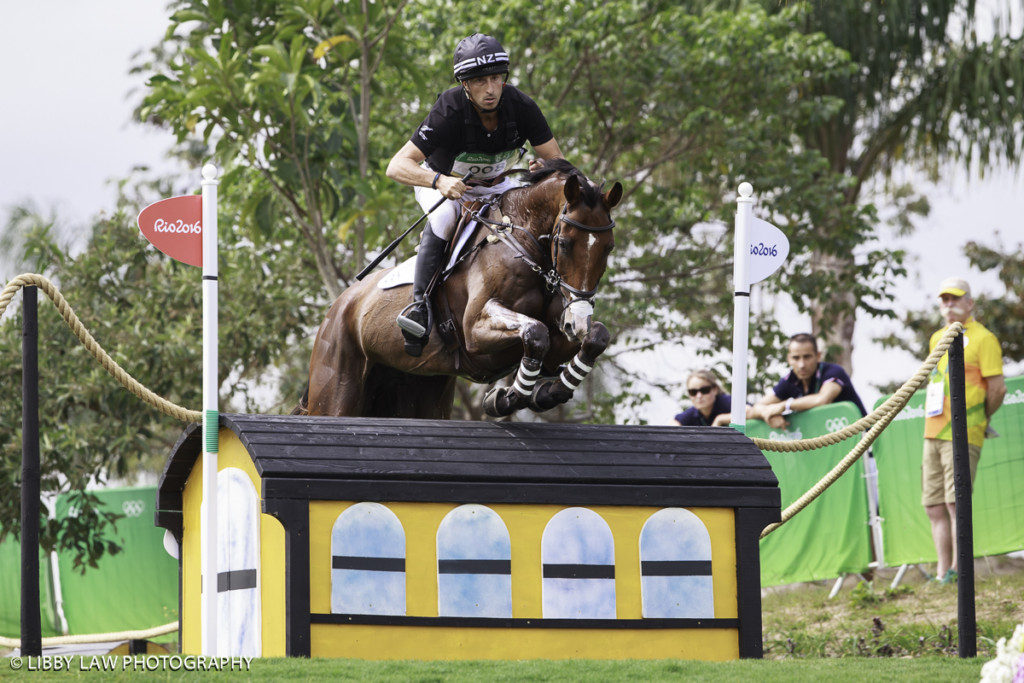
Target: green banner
<point>830,536</point>
<point>998,505</point>
<point>10,592</point>
<point>134,589</point>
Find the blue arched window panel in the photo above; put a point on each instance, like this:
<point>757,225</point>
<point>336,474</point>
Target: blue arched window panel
<point>368,561</point>
<point>675,566</point>
<point>238,562</point>
<point>474,564</point>
<point>578,557</point>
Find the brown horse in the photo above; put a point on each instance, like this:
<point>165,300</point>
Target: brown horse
<point>521,298</point>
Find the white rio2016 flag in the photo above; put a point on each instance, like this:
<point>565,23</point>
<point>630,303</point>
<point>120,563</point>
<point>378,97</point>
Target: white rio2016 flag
<point>759,250</point>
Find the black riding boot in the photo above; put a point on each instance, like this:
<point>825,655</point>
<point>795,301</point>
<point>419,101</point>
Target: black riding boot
<point>415,319</point>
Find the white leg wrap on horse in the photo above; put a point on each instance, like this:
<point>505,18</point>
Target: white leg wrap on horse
<point>526,377</point>
<point>574,373</point>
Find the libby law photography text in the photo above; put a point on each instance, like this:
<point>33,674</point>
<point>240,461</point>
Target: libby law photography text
<point>131,663</point>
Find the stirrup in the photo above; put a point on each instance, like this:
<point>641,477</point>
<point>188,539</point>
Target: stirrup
<point>409,325</point>
<point>415,334</point>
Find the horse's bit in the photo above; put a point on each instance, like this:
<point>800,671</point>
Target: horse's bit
<point>553,280</point>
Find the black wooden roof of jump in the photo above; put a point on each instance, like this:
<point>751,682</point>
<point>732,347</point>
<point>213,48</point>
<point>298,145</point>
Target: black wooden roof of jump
<point>384,459</point>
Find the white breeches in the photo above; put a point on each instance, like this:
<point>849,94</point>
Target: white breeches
<point>442,221</point>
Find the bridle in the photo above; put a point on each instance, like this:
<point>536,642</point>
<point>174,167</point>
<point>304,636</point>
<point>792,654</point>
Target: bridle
<point>556,231</point>
<point>553,280</point>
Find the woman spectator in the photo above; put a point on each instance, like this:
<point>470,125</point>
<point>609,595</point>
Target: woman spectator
<point>711,405</point>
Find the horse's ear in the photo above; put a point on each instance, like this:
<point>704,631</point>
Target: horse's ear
<point>572,189</point>
<point>613,196</point>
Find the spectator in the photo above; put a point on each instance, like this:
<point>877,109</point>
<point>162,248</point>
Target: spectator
<point>711,406</point>
<point>810,383</point>
<point>985,388</point>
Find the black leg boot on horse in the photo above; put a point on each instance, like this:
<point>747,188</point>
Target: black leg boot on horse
<point>414,320</point>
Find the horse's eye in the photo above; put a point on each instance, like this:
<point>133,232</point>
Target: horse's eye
<point>610,248</point>
<point>564,243</point>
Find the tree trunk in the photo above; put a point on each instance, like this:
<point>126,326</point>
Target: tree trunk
<point>833,320</point>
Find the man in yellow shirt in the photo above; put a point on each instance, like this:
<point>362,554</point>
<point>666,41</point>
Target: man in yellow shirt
<point>985,388</point>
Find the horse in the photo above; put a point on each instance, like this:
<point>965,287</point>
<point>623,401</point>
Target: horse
<point>521,296</point>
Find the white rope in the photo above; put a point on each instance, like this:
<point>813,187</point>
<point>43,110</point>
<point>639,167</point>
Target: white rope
<point>98,637</point>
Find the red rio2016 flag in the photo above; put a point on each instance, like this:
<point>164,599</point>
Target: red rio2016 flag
<point>175,227</point>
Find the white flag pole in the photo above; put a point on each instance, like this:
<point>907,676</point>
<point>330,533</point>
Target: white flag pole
<point>741,306</point>
<point>208,551</point>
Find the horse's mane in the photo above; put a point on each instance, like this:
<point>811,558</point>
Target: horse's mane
<point>588,191</point>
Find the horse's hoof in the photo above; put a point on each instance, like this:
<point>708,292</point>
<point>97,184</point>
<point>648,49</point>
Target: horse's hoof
<point>502,401</point>
<point>490,402</point>
<point>548,394</point>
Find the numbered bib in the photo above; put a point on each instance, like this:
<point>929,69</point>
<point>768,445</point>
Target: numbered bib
<point>483,166</point>
<point>934,399</point>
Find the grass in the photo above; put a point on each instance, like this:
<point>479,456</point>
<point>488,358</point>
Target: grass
<point>867,632</point>
<point>919,618</point>
<point>930,669</point>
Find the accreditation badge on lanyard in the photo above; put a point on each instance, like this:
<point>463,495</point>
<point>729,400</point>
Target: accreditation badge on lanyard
<point>935,397</point>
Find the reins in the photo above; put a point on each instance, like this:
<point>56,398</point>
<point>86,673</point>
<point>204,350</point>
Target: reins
<point>553,280</point>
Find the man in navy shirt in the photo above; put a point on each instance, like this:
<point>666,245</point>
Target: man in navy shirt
<point>809,383</point>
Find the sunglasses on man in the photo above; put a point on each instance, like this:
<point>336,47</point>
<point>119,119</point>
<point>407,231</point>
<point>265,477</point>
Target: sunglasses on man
<point>706,389</point>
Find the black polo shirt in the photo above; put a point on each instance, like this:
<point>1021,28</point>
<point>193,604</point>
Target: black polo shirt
<point>454,140</point>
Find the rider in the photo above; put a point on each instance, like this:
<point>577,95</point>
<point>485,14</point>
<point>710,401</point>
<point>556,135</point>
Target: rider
<point>476,127</point>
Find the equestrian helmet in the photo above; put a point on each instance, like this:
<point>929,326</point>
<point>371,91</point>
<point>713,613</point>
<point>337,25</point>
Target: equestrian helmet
<point>479,55</point>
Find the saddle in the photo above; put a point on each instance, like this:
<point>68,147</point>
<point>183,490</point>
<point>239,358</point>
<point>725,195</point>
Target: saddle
<point>459,248</point>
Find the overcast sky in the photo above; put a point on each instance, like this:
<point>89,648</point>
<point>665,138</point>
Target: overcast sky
<point>65,111</point>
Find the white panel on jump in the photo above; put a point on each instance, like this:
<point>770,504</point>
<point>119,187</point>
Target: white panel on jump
<point>238,556</point>
<point>675,566</point>
<point>578,557</point>
<point>474,564</point>
<point>368,561</point>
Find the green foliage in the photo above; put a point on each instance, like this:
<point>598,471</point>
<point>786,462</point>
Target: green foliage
<point>711,98</point>
<point>863,596</point>
<point>293,129</point>
<point>1002,315</point>
<point>925,91</point>
<point>144,309</point>
<point>681,103</point>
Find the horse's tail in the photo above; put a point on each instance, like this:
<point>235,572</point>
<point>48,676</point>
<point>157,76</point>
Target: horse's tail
<point>303,407</point>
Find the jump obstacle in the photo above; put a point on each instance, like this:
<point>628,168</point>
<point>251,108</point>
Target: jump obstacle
<point>422,539</point>
<point>587,471</point>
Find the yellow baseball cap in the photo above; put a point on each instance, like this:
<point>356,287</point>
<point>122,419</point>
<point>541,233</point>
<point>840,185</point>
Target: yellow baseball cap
<point>957,286</point>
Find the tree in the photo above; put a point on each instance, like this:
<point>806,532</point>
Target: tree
<point>682,102</point>
<point>145,310</point>
<point>281,93</point>
<point>926,93</point>
<point>1003,315</point>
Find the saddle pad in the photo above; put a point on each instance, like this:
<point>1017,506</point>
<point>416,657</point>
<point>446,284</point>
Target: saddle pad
<point>403,273</point>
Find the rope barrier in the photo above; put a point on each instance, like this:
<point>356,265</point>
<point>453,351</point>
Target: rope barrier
<point>86,638</point>
<point>882,416</point>
<point>874,422</point>
<point>108,363</point>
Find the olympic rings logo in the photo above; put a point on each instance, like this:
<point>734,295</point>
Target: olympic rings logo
<point>133,508</point>
<point>834,424</point>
